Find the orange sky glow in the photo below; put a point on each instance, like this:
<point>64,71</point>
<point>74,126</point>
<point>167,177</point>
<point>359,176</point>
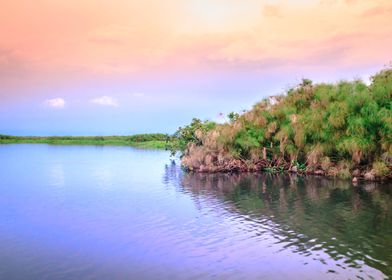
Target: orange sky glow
<point>47,45</point>
<point>133,37</point>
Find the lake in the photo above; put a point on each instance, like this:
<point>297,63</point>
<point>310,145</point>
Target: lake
<point>87,212</point>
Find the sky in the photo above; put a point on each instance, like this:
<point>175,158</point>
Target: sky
<point>119,67</point>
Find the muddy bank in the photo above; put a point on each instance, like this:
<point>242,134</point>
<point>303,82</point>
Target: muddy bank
<point>200,162</point>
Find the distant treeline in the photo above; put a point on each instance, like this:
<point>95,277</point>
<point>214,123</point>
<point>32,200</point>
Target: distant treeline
<point>131,138</point>
<point>155,140</point>
<point>342,129</point>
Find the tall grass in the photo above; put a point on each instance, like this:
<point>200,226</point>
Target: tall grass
<point>332,129</point>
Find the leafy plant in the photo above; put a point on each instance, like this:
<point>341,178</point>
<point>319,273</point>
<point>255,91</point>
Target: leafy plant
<point>313,126</point>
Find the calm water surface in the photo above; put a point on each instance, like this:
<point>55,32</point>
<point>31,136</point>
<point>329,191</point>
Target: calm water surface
<point>74,212</point>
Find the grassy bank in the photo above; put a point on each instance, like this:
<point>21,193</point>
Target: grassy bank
<point>342,129</point>
<point>151,141</point>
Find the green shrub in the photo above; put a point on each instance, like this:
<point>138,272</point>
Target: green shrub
<point>348,122</point>
<point>380,168</point>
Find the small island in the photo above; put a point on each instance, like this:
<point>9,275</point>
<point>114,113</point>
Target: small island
<point>339,130</point>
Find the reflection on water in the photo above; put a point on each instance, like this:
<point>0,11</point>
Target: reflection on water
<point>78,212</point>
<point>351,226</point>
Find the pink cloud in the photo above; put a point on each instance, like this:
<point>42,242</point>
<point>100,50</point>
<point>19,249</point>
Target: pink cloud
<point>56,103</point>
<point>105,101</point>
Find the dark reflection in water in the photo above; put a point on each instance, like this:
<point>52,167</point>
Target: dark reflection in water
<point>307,215</point>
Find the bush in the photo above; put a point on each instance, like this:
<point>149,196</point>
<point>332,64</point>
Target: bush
<point>380,169</point>
<point>320,124</point>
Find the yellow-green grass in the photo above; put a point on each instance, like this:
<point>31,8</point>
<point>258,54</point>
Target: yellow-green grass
<point>147,141</point>
<point>342,129</point>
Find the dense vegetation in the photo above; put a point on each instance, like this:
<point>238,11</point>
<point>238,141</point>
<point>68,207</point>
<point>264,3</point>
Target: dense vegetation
<point>157,140</point>
<point>342,129</point>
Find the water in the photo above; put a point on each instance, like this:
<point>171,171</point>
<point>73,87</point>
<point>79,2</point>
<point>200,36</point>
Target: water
<point>75,212</point>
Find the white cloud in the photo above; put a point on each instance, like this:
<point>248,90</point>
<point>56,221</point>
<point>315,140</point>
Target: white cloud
<point>57,103</point>
<point>105,101</point>
<point>138,94</point>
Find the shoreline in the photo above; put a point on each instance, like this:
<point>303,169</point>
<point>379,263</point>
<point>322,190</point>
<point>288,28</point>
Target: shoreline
<point>160,145</point>
<point>317,174</point>
<point>356,174</point>
<point>152,141</point>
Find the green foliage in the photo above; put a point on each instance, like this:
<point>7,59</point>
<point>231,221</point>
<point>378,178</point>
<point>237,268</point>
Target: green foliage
<point>346,121</point>
<point>380,168</point>
<point>274,169</point>
<point>6,137</point>
<point>191,133</point>
<point>148,137</point>
<point>244,141</point>
<point>306,82</point>
<point>156,141</point>
<point>233,117</point>
<point>301,167</point>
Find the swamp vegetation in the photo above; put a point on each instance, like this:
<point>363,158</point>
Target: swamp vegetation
<point>342,129</point>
